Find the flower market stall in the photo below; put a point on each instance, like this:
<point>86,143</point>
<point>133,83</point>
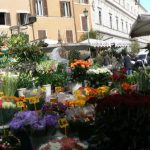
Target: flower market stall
<point>39,110</point>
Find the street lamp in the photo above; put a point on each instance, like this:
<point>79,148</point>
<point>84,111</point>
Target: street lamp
<point>85,12</point>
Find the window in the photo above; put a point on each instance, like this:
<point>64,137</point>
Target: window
<point>42,34</point>
<point>127,27</point>
<point>69,36</point>
<point>84,1</point>
<point>22,18</point>
<point>110,19</point>
<point>41,7</point>
<point>100,16</point>
<point>117,22</point>
<point>122,24</point>
<point>84,23</point>
<point>65,9</point>
<point>5,18</point>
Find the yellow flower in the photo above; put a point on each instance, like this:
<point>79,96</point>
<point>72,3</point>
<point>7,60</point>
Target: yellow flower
<point>103,90</point>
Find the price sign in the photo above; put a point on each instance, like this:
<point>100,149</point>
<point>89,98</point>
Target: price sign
<point>20,104</point>
<point>58,89</point>
<point>33,100</point>
<point>63,123</point>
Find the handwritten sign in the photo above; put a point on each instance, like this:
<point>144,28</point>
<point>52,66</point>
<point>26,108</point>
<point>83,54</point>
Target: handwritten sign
<point>20,104</point>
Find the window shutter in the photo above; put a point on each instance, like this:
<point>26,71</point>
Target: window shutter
<point>41,34</point>
<point>33,7</point>
<point>45,9</point>
<point>70,9</point>
<point>84,23</point>
<point>18,19</point>
<point>61,9</point>
<point>69,36</point>
<point>8,21</point>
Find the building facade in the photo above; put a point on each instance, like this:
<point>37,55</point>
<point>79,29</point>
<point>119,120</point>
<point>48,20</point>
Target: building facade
<point>114,18</point>
<point>56,19</point>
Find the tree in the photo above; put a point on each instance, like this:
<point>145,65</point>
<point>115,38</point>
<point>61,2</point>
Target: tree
<point>92,35</point>
<point>135,46</point>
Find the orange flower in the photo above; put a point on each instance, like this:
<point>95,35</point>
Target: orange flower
<point>126,86</point>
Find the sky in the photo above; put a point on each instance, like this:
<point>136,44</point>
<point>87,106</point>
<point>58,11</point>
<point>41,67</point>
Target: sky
<point>146,4</point>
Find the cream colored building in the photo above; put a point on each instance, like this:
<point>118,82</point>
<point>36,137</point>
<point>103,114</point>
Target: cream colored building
<point>55,18</point>
<point>14,13</point>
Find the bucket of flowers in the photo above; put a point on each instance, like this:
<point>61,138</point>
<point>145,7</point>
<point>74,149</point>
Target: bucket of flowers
<point>38,127</point>
<point>98,76</point>
<point>78,72</point>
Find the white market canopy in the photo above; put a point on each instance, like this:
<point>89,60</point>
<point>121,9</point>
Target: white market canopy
<point>141,26</point>
<point>107,43</point>
<point>96,43</point>
<point>118,42</point>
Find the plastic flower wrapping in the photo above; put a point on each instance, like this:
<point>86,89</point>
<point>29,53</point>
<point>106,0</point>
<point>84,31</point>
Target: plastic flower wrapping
<point>85,93</point>
<point>81,114</point>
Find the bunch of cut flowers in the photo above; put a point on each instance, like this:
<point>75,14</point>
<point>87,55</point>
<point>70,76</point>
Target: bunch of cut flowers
<point>33,122</point>
<point>78,70</point>
<point>98,76</point>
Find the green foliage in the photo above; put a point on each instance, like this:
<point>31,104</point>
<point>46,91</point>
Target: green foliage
<point>135,46</point>
<point>18,40</point>
<point>26,80</point>
<point>73,54</point>
<point>9,85</point>
<point>3,38</point>
<point>92,35</point>
<point>28,53</point>
<point>59,78</point>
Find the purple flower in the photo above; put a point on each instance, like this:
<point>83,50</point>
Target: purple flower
<point>22,119</point>
<point>39,125</point>
<point>51,120</point>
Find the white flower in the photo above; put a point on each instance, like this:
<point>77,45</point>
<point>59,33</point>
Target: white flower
<point>7,105</point>
<point>99,71</point>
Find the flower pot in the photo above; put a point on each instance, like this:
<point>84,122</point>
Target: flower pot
<point>47,90</point>
<point>21,91</point>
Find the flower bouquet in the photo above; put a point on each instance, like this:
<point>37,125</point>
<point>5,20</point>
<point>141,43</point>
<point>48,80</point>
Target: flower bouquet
<point>7,110</point>
<point>81,120</point>
<point>98,76</point>
<point>40,128</point>
<point>86,93</point>
<point>78,70</point>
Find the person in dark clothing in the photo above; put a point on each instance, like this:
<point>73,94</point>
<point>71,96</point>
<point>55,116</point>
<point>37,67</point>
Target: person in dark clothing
<point>106,61</point>
<point>128,64</point>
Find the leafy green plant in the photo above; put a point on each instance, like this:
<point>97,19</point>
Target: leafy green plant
<point>18,40</point>
<point>9,85</point>
<point>73,54</point>
<point>26,80</point>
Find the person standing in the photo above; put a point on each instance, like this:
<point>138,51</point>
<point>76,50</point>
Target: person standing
<point>106,61</point>
<point>128,64</point>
